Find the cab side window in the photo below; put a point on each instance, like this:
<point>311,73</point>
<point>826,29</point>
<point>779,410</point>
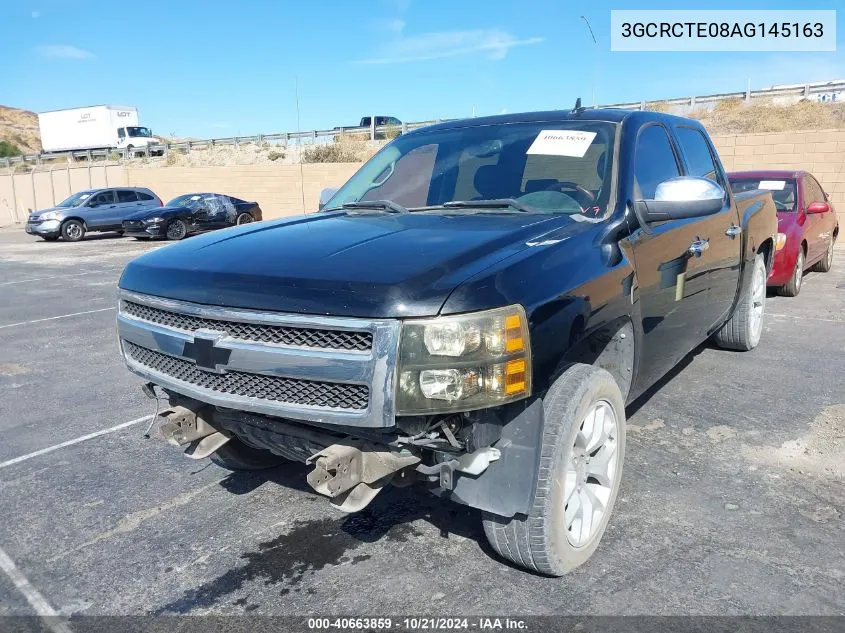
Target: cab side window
<point>698,155</point>
<point>654,161</point>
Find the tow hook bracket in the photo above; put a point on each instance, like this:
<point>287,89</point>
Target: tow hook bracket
<point>182,426</point>
<point>352,475</point>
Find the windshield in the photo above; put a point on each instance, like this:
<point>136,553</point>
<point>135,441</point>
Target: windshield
<point>75,200</point>
<point>783,190</point>
<point>547,167</point>
<point>188,200</point>
<point>139,131</point>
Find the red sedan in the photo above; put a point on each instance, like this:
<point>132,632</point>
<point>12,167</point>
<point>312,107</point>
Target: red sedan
<point>807,224</point>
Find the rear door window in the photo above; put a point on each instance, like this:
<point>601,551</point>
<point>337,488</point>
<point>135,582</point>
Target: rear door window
<point>144,197</point>
<point>126,195</point>
<point>812,191</point>
<point>697,152</point>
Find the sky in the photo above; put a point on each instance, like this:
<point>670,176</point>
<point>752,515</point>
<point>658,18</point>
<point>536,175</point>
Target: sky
<point>213,69</point>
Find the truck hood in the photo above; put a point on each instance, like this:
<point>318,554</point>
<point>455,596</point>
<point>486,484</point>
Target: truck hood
<point>366,265</point>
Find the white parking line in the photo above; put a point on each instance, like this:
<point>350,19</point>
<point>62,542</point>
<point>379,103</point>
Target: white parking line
<point>24,281</point>
<point>32,595</point>
<point>90,436</point>
<point>61,316</point>
<point>803,318</point>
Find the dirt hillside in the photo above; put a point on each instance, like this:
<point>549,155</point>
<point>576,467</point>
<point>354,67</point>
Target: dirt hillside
<point>20,127</point>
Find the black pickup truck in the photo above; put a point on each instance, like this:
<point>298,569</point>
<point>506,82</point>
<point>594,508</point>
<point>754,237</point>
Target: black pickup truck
<point>470,313</point>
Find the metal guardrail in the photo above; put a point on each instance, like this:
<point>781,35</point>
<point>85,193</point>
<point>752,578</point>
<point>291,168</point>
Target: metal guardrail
<point>805,91</point>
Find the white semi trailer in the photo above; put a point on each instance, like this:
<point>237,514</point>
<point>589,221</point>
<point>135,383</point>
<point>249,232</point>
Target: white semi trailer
<point>94,127</point>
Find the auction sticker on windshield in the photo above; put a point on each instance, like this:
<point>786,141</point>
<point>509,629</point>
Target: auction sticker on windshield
<point>572,143</point>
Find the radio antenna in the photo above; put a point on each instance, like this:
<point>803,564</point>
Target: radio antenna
<point>299,133</point>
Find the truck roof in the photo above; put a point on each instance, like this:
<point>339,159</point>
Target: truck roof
<point>99,105</point>
<point>594,114</point>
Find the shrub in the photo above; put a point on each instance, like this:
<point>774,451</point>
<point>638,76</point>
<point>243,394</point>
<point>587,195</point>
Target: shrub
<point>346,150</point>
<point>8,149</point>
<point>274,155</point>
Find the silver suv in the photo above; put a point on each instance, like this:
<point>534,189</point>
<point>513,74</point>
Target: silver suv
<point>90,210</point>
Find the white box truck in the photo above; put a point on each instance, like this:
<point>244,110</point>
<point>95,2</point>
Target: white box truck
<point>93,127</point>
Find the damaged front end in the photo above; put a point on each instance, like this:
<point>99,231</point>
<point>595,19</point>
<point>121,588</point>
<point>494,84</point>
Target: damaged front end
<point>366,402</point>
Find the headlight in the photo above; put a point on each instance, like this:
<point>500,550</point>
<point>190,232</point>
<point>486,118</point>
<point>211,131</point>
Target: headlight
<point>154,220</point>
<point>463,362</point>
<point>51,215</point>
<point>780,242</point>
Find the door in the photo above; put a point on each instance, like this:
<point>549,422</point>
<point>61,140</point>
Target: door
<point>219,212</point>
<point>818,229</point>
<point>101,210</point>
<point>673,284</point>
<point>722,230</point>
<point>146,200</point>
<point>127,203</point>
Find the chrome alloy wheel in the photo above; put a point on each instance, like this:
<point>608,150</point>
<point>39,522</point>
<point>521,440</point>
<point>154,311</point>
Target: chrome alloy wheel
<point>590,473</point>
<point>74,231</point>
<point>758,300</point>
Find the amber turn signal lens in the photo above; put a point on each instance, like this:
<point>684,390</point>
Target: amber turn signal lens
<point>513,334</point>
<point>514,377</point>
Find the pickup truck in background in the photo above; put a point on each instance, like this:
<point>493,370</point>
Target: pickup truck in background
<point>470,312</point>
<point>381,122</point>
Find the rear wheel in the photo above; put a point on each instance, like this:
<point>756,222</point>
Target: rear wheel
<point>826,262</point>
<point>583,448</point>
<point>742,331</point>
<point>793,286</point>
<point>235,455</point>
<point>243,218</point>
<point>72,230</point>
<point>176,230</point>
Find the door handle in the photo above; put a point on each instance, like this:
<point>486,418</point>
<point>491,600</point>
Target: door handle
<point>733,231</point>
<point>698,247</point>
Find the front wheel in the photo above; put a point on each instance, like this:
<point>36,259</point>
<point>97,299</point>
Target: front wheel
<point>235,455</point>
<point>583,448</point>
<point>177,230</point>
<point>72,231</point>
<point>742,331</point>
<point>792,287</point>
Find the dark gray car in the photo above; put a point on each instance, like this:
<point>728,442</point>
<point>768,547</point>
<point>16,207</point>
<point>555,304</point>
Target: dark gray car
<point>90,210</point>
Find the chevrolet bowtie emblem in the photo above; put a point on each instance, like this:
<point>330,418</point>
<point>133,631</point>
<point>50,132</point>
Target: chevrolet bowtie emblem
<point>205,353</point>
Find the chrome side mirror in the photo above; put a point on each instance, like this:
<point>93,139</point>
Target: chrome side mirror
<point>682,197</point>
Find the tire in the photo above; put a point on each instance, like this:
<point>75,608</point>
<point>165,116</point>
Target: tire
<point>826,262</point>
<point>72,230</point>
<point>235,455</point>
<point>792,287</point>
<point>743,329</point>
<point>50,238</point>
<point>177,230</point>
<point>243,218</point>
<point>542,541</point>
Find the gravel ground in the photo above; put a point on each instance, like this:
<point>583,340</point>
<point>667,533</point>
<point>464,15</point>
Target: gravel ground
<point>732,496</point>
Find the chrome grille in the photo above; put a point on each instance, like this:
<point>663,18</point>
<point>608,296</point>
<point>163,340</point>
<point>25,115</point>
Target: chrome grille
<point>347,340</point>
<point>294,391</point>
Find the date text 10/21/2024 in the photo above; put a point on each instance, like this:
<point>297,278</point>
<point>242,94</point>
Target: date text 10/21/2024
<point>418,623</point>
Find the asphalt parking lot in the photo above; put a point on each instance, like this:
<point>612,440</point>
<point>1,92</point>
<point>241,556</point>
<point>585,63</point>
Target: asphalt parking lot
<point>732,501</point>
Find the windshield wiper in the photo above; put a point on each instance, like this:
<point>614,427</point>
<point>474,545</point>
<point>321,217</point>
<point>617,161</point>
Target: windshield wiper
<point>379,205</point>
<point>501,203</point>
